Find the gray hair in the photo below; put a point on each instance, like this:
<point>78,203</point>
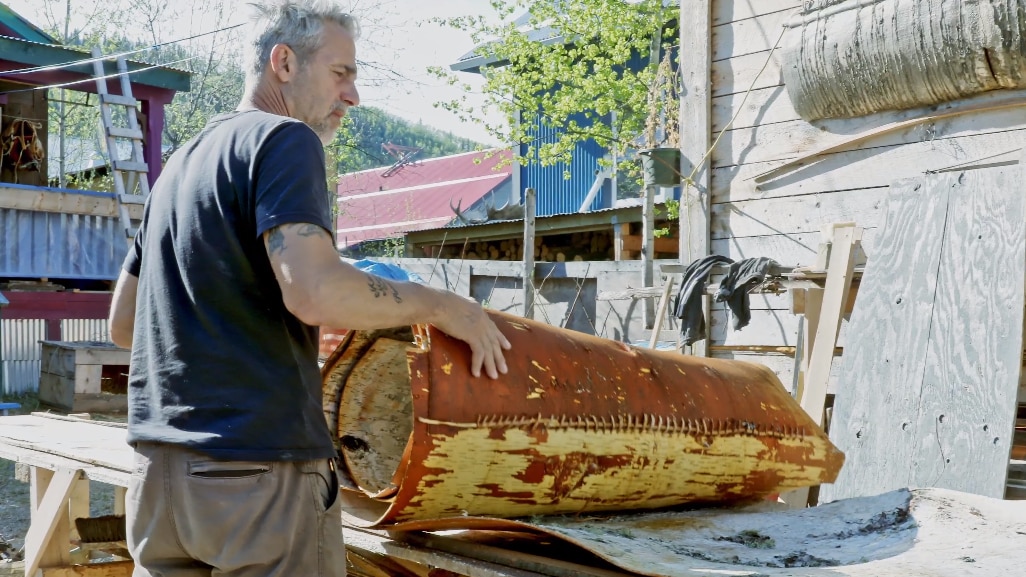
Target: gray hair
<point>296,23</point>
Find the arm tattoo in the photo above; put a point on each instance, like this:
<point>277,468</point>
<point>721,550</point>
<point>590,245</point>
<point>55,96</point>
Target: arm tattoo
<point>377,286</point>
<point>380,288</point>
<point>276,241</point>
<point>310,230</point>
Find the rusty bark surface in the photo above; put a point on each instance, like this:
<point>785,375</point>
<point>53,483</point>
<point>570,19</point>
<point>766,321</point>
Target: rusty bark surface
<point>579,423</point>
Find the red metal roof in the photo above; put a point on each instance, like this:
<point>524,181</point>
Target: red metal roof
<point>417,196</point>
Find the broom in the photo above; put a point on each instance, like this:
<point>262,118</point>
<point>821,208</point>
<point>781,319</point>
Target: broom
<point>104,529</point>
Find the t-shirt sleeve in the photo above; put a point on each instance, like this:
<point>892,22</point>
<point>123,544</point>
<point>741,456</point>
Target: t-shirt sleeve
<point>290,184</point>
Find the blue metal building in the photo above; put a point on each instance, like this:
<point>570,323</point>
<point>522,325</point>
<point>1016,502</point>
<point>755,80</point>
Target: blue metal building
<point>558,194</point>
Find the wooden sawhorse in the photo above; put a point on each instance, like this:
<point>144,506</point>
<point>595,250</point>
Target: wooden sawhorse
<point>63,454</point>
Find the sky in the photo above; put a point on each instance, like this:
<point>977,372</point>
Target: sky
<point>397,33</point>
<point>412,45</point>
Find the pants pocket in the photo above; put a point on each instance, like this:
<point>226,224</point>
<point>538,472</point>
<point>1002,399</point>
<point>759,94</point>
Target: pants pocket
<point>323,481</point>
<point>209,469</point>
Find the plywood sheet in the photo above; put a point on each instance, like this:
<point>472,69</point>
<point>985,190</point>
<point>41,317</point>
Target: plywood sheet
<point>931,366</point>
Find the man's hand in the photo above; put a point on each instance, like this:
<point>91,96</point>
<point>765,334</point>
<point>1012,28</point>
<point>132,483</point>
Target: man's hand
<point>465,320</point>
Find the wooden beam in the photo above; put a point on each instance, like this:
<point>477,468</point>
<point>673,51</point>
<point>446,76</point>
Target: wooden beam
<point>664,303</point>
<point>38,199</point>
<point>835,298</point>
<point>696,129</point>
<point>528,272</point>
<point>47,541</point>
<point>113,569</point>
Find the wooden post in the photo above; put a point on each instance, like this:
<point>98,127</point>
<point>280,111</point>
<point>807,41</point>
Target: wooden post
<point>648,250</point>
<point>695,135</point>
<point>528,272</point>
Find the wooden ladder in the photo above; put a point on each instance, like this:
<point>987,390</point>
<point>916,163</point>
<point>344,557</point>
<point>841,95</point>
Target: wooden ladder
<point>131,183</point>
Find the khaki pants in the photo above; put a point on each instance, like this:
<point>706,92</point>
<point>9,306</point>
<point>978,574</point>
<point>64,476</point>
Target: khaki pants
<point>190,515</point>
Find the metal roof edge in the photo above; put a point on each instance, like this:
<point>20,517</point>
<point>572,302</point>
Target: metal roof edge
<point>41,54</point>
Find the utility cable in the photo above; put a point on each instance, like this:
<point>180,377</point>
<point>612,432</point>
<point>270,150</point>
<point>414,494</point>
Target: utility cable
<point>109,76</point>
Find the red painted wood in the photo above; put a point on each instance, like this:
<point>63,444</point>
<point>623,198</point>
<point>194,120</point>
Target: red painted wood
<point>56,306</point>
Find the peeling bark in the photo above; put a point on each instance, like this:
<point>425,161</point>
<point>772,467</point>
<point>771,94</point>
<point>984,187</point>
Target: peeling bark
<point>857,57</point>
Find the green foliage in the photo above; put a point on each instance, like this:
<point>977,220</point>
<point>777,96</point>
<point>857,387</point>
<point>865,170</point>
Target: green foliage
<point>365,129</point>
<point>586,75</point>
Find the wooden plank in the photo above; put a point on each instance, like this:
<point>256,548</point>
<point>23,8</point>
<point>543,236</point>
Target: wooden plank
<point>119,500</point>
<point>86,443</point>
<point>111,569</point>
<point>50,516</point>
<point>748,36</point>
<point>29,458</point>
<point>737,75</point>
<point>120,132</point>
<point>87,379</point>
<point>44,200</point>
<point>130,166</point>
<point>56,391</point>
<point>966,419</point>
<point>78,504</point>
<point>664,302</point>
<point>793,249</point>
<point>776,327</point>
<point>796,214</point>
<point>869,167</point>
<point>835,299</point>
<point>761,107</point>
<point>527,273</point>
<point>118,100</point>
<point>88,354</point>
<point>696,124</point>
<point>782,366</point>
<point>725,11</point>
<point>883,367</point>
<point>1007,107</point>
<point>787,140</point>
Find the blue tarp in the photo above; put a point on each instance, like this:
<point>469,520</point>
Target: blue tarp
<point>386,270</point>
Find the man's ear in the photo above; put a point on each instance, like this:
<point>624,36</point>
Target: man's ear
<point>283,62</point>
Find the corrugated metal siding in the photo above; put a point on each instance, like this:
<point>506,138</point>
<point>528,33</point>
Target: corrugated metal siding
<point>84,330</point>
<point>56,245</point>
<point>556,193</point>
<point>20,347</point>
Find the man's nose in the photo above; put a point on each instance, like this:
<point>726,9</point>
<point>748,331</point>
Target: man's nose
<point>351,96</point>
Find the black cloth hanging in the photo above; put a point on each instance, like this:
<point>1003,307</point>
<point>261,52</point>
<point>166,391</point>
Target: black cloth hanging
<point>742,277</point>
<point>687,306</point>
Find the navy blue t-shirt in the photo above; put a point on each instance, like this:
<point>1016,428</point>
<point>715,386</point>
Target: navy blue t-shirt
<point>219,364</point>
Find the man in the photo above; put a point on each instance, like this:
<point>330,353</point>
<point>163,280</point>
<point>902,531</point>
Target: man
<point>232,270</point>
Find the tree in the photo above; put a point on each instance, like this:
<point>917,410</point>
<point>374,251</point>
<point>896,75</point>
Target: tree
<point>582,84</point>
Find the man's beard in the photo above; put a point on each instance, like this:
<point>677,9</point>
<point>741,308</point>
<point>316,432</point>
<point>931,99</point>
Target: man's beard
<point>325,131</point>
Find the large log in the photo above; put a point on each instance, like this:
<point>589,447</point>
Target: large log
<point>579,423</point>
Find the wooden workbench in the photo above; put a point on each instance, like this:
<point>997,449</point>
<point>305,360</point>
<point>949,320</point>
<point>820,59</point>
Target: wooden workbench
<point>65,453</point>
<point>929,532</point>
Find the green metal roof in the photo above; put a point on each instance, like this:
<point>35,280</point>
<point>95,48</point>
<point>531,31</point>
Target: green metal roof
<point>22,27</point>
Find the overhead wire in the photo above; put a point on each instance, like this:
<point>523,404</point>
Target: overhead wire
<point>92,59</point>
<point>109,76</point>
